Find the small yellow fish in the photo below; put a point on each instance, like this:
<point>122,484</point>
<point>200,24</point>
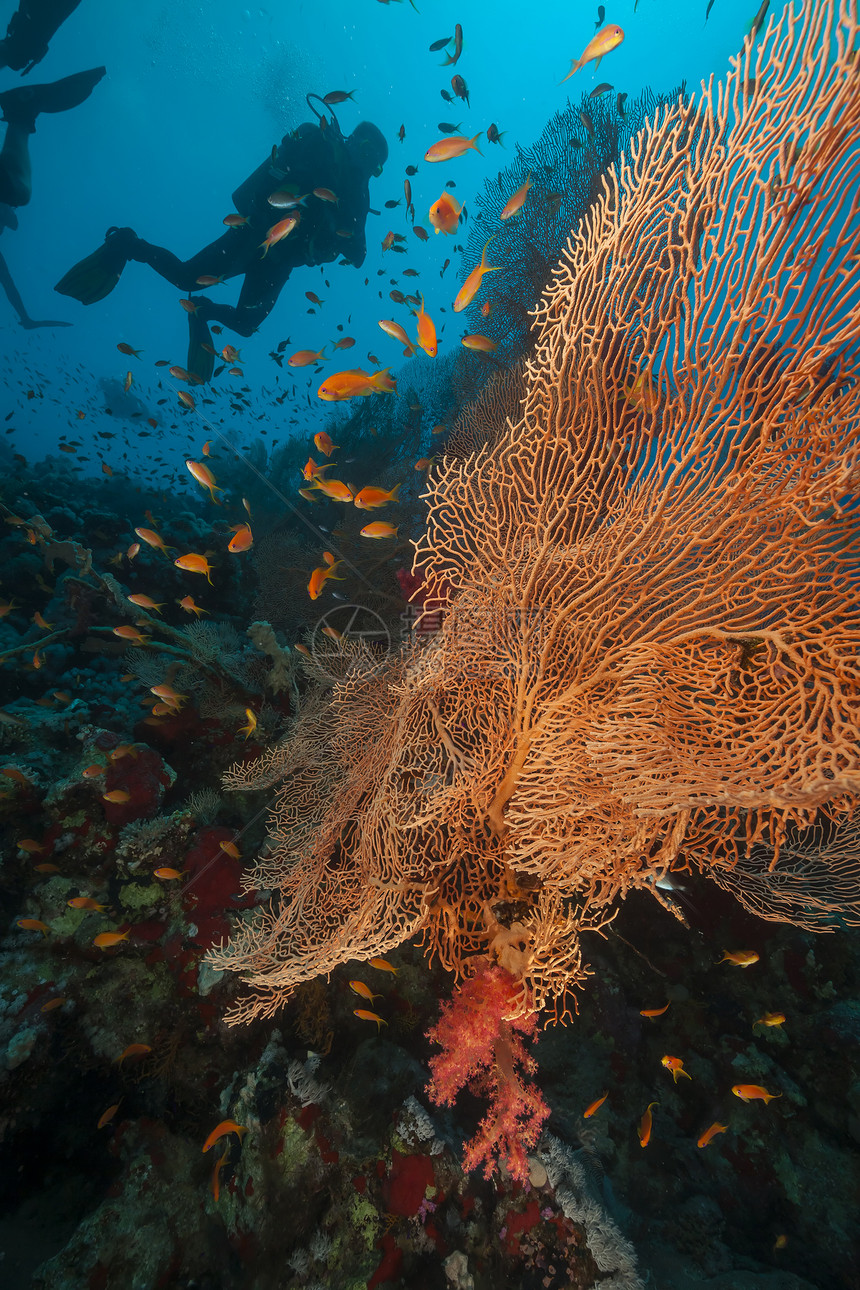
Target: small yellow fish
<point>740,958</point>
<point>770,1019</point>
<point>248,729</point>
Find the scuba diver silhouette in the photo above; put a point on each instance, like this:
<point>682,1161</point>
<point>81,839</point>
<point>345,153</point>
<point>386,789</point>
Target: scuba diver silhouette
<point>24,45</point>
<point>315,174</point>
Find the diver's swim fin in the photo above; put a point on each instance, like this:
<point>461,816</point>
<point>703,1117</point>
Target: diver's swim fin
<point>23,103</point>
<point>201,351</point>
<point>95,277</point>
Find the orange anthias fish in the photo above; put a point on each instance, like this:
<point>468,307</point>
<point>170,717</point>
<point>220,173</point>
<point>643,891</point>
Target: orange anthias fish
<point>193,563</point>
<point>382,965</point>
<point>710,1133</point>
<point>646,1124</point>
<point>146,602</point>
<point>336,489</point>
<point>118,796</point>
<point>603,43</point>
<point>304,357</point>
<point>366,1015</point>
<point>740,958</point>
<point>311,468</point>
<point>356,383</point>
<point>84,902</point>
<point>753,1092</point>
<point>393,329</point>
<point>455,145</point>
<point>134,1050</point>
<point>187,603</point>
<point>770,1019</point>
<point>127,633</point>
<point>201,472</point>
<point>445,213</point>
<point>368,499</point>
<point>320,576</point>
<point>107,1116</point>
<point>168,694</point>
<point>125,348</point>
<point>151,538</point>
<point>654,1012</point>
<point>324,444</point>
<point>472,285</point>
<point>676,1066</point>
<point>242,539</point>
<point>594,1107</point>
<point>166,873</point>
<point>379,529</point>
<point>106,940</point>
<point>278,232</point>
<point>226,1126</point>
<point>358,987</point>
<point>482,344</point>
<point>426,332</point>
<point>32,925</point>
<point>513,204</point>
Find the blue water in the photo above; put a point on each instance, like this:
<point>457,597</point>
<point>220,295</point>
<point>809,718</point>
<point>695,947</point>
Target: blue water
<point>194,98</point>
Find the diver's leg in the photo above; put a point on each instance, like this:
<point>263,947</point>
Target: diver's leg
<point>257,299</point>
<point>13,295</point>
<point>16,185</point>
<point>30,31</point>
<point>224,258</point>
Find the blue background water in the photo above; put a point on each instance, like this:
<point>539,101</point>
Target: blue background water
<point>195,96</point>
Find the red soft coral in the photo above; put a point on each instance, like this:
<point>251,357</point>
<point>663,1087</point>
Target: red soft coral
<point>477,1041</point>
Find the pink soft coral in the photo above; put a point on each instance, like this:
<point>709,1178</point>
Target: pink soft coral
<point>478,1044</point>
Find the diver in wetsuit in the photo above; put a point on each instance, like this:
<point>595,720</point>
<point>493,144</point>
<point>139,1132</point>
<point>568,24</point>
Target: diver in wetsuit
<point>26,44</point>
<point>314,159</point>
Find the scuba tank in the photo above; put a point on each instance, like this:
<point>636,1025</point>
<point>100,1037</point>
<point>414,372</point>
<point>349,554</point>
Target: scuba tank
<point>297,151</point>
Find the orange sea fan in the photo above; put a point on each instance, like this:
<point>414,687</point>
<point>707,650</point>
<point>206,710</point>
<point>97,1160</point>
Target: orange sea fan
<point>651,653</point>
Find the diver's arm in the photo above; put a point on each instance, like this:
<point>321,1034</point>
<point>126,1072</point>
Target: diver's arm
<point>14,297</point>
